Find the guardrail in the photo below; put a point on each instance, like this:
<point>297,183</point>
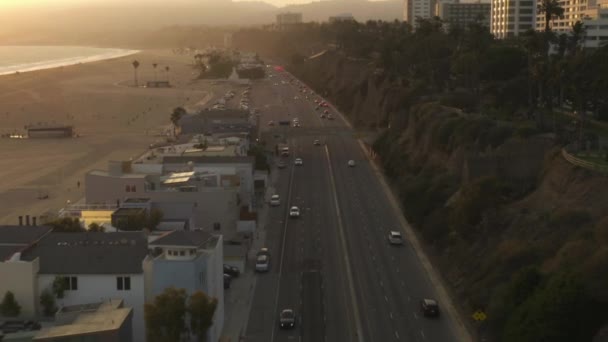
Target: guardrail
<point>583,163</point>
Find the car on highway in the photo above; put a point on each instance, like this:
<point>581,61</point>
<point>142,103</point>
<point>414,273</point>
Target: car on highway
<point>326,111</point>
<point>231,271</point>
<point>351,163</point>
<point>281,165</point>
<point>395,238</point>
<point>298,162</point>
<point>287,319</point>
<point>316,142</point>
<point>262,263</point>
<point>275,200</point>
<point>270,123</point>
<point>429,307</point>
<point>263,251</point>
<point>330,117</point>
<point>323,116</point>
<point>294,212</point>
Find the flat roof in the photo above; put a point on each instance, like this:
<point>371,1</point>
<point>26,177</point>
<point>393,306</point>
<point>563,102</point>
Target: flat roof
<point>122,175</point>
<point>88,323</point>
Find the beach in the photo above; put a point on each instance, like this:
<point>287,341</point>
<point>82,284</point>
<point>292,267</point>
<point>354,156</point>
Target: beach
<point>113,119</point>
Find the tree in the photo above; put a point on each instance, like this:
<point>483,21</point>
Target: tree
<point>135,66</point>
<point>66,225</point>
<point>48,303</point>
<point>176,115</point>
<point>165,317</point>
<point>154,218</point>
<point>95,227</point>
<point>60,284</point>
<point>201,309</point>
<point>154,65</point>
<point>552,10</point>
<point>9,306</point>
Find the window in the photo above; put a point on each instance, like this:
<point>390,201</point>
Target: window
<point>127,188</point>
<point>72,283</point>
<point>182,253</point>
<point>123,283</point>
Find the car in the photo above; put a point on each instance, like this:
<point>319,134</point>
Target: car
<point>270,123</point>
<point>298,161</point>
<point>326,111</point>
<point>287,319</point>
<point>263,251</point>
<point>323,116</point>
<point>351,163</point>
<point>227,281</point>
<point>330,117</point>
<point>294,212</point>
<point>316,142</point>
<point>275,200</point>
<point>296,98</point>
<point>429,307</point>
<point>296,124</point>
<point>262,263</point>
<point>231,271</point>
<point>281,165</point>
<point>395,238</point>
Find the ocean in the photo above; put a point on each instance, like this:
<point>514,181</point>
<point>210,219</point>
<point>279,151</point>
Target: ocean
<point>29,58</point>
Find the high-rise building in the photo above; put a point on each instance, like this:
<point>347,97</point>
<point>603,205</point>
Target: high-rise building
<point>455,13</point>
<point>512,17</point>
<point>592,13</point>
<point>287,19</point>
<point>413,9</point>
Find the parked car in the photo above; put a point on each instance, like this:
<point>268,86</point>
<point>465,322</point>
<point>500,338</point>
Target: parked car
<point>227,280</point>
<point>231,271</point>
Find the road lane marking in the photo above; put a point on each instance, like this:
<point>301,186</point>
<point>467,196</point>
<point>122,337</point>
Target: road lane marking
<point>422,333</point>
<point>344,251</point>
<point>391,314</point>
<point>397,335</point>
<point>415,316</point>
<point>386,299</point>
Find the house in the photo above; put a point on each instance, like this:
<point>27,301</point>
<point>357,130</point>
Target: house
<point>20,277</point>
<point>191,260</point>
<point>95,267</point>
<point>103,321</point>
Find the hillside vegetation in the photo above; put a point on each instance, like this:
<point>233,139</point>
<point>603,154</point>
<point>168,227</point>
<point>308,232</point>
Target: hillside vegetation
<point>470,140</point>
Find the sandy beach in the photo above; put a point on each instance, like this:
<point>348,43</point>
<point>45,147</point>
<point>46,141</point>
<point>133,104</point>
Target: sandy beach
<point>114,120</point>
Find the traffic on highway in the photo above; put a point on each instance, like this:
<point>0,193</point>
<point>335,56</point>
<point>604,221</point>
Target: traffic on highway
<point>340,263</point>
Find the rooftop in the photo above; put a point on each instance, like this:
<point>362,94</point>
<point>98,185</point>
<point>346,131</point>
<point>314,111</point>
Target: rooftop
<point>183,238</point>
<point>15,238</point>
<point>122,175</point>
<point>94,318</point>
<point>208,160</point>
<point>89,253</point>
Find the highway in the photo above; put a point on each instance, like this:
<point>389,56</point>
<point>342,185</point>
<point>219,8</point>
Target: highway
<point>367,290</point>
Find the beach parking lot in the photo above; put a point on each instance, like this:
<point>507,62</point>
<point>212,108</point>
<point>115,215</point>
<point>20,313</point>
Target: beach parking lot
<point>114,121</point>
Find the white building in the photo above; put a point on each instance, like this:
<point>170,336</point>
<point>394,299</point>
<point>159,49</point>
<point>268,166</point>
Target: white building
<point>96,266</point>
<point>190,260</point>
<point>413,9</point>
<point>511,18</point>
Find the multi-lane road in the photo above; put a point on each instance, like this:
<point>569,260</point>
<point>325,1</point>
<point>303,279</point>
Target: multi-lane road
<point>333,265</point>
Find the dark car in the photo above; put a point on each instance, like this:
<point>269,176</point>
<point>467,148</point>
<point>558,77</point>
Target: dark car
<point>231,271</point>
<point>287,319</point>
<point>281,165</point>
<point>429,307</point>
<point>227,280</point>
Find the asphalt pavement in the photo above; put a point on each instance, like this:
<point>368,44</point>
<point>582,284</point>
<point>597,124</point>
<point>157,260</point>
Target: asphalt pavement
<point>333,265</point>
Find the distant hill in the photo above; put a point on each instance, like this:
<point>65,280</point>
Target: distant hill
<point>361,10</point>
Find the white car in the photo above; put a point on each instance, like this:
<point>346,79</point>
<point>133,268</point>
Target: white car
<point>294,212</point>
<point>316,142</point>
<point>275,200</point>
<point>394,238</point>
<point>262,263</point>
<point>298,161</point>
<point>351,163</point>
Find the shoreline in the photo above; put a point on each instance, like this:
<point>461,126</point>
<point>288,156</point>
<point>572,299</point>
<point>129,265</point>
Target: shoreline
<point>112,53</point>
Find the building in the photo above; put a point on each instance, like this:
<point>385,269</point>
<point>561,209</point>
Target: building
<point>511,18</point>
<point>50,131</point>
<point>596,24</point>
<point>103,321</point>
<point>214,121</point>
<point>341,18</point>
<point>287,19</point>
<point>190,260</point>
<point>96,267</point>
<point>457,14</point>
<point>413,9</point>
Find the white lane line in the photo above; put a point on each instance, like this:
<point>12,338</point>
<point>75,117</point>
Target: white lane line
<point>422,333</point>
<point>381,284</point>
<point>391,314</point>
<point>386,299</point>
<point>415,316</point>
<point>397,335</point>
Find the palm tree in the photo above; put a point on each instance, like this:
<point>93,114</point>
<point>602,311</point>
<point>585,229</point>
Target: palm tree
<point>552,10</point>
<point>154,65</point>
<point>135,66</point>
<point>176,115</point>
<point>167,72</point>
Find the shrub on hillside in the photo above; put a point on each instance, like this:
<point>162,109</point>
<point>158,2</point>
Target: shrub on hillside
<point>567,217</point>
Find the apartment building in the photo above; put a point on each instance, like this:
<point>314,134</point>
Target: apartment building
<point>510,18</point>
<point>592,13</point>
<point>457,14</point>
<point>191,260</point>
<point>413,9</point>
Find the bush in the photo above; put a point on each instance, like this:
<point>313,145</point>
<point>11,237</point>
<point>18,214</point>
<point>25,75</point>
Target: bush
<point>9,306</point>
<point>48,303</point>
<point>570,218</point>
<point>526,131</point>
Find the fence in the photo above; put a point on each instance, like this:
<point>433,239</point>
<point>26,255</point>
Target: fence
<point>583,163</point>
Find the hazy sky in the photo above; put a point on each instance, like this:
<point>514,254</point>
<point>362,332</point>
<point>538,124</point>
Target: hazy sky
<point>63,3</point>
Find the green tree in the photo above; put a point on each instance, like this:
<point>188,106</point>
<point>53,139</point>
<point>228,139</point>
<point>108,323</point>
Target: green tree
<point>60,284</point>
<point>66,225</point>
<point>47,300</point>
<point>176,115</point>
<point>165,316</point>
<point>9,306</point>
<point>552,10</point>
<point>201,309</point>
<point>135,66</point>
<point>95,227</point>
<point>154,218</point>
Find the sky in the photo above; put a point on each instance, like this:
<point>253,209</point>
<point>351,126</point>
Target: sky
<point>64,3</point>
